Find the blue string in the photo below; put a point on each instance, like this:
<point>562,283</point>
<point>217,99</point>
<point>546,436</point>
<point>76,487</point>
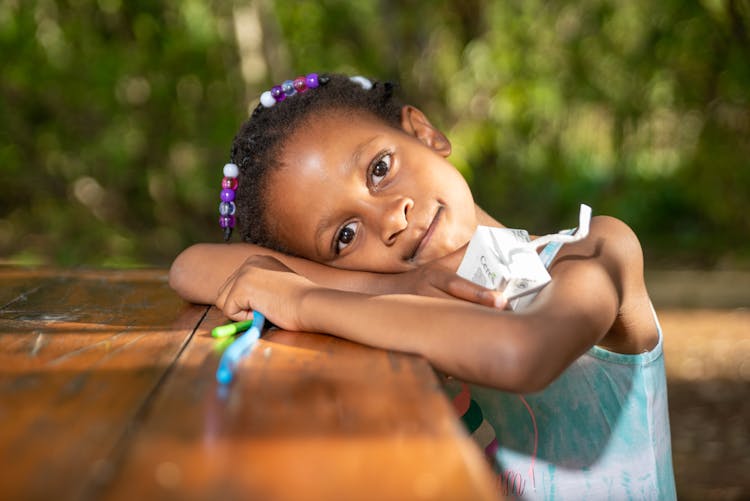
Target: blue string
<point>239,349</point>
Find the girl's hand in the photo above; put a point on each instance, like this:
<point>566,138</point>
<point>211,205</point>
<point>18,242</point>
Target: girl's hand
<point>439,279</point>
<point>265,284</point>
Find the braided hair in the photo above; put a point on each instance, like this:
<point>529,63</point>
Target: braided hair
<point>258,145</point>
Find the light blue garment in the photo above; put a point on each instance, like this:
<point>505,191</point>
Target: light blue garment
<point>600,431</point>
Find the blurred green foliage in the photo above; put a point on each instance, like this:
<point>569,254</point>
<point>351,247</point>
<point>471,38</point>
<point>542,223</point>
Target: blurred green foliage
<point>116,116</point>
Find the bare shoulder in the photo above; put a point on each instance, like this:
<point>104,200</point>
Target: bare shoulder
<point>616,246</point>
<point>612,244</point>
<point>621,239</point>
<point>622,254</point>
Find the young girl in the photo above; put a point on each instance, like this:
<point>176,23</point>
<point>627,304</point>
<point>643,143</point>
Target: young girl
<point>354,223</point>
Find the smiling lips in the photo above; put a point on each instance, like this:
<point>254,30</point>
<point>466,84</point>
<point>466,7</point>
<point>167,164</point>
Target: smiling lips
<point>426,237</point>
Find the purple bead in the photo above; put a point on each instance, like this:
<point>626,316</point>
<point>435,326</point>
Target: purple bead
<point>227,195</point>
<point>226,221</point>
<point>227,208</point>
<point>312,80</point>
<point>278,93</point>
<point>229,183</point>
<point>288,88</point>
<point>299,84</point>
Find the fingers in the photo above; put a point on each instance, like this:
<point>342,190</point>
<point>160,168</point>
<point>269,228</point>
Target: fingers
<point>231,301</point>
<point>469,291</point>
<point>437,280</point>
<point>235,305</point>
<point>247,288</point>
<point>229,292</point>
<point>500,302</point>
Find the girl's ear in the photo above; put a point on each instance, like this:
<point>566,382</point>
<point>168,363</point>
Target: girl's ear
<point>414,122</point>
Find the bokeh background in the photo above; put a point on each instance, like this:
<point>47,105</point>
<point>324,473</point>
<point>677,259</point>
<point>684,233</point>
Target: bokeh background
<point>117,115</point>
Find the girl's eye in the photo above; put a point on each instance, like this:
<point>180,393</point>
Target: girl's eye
<point>380,169</point>
<point>345,236</point>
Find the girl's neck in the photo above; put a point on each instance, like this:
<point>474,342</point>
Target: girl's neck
<point>485,219</point>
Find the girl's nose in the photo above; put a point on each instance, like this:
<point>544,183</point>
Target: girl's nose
<point>395,217</point>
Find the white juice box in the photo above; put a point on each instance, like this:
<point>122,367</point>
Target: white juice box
<point>497,259</point>
<point>506,259</point>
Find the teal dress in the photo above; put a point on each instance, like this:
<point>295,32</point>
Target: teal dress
<point>599,431</point>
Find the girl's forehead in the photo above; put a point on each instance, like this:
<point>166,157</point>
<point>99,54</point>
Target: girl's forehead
<point>333,136</point>
<point>341,122</point>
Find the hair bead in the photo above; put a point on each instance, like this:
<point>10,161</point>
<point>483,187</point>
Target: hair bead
<point>227,208</point>
<point>363,82</point>
<point>226,221</point>
<point>300,84</point>
<point>231,170</point>
<point>229,183</point>
<point>288,88</point>
<point>227,195</point>
<point>278,93</point>
<point>312,80</point>
<point>267,99</point>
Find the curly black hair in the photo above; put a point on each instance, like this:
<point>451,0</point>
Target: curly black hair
<point>258,144</point>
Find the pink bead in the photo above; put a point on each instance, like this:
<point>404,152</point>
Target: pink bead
<point>229,183</point>
<point>299,84</point>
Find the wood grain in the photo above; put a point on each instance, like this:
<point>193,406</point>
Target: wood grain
<point>108,391</point>
<point>80,357</point>
<point>309,416</point>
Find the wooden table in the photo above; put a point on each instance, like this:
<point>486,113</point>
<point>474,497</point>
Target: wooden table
<point>108,391</point>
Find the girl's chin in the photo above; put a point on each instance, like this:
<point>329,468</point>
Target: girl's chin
<point>447,253</point>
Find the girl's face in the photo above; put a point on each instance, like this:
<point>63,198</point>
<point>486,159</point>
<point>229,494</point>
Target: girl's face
<point>355,193</point>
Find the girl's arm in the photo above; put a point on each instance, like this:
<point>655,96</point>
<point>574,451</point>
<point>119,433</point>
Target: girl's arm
<point>592,281</point>
<point>201,270</point>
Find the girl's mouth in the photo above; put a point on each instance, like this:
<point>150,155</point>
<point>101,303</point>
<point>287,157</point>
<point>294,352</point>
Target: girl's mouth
<point>422,243</point>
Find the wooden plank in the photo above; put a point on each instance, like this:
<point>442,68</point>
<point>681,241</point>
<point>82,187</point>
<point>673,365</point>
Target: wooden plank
<point>81,352</point>
<point>309,416</point>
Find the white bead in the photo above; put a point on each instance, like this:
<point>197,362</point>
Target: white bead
<point>266,99</point>
<point>362,81</point>
<point>231,170</point>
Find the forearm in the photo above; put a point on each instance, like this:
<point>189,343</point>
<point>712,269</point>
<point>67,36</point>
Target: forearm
<point>200,270</point>
<point>472,342</point>
<point>518,352</point>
